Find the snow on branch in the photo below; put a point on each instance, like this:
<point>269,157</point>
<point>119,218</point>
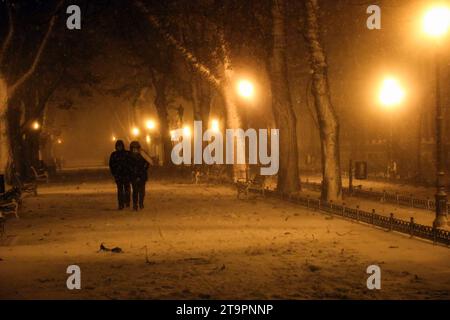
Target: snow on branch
<point>38,55</point>
<point>189,56</point>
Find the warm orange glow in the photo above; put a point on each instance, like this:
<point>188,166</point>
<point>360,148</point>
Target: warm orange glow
<point>35,125</point>
<point>59,141</point>
<point>135,131</point>
<point>150,124</point>
<point>215,125</point>
<point>186,131</point>
<point>245,89</point>
<point>436,21</point>
<point>391,93</point>
<point>114,138</point>
<point>147,139</point>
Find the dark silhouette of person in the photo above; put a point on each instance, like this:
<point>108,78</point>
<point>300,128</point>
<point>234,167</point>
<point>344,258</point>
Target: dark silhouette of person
<point>120,169</point>
<point>138,174</point>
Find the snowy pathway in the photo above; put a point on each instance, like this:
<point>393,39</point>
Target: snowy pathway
<point>199,241</point>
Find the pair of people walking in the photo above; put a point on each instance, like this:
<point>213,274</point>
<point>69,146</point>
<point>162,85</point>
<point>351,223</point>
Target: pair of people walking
<point>129,168</point>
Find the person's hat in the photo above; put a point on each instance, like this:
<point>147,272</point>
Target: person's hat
<point>135,144</point>
<point>120,143</point>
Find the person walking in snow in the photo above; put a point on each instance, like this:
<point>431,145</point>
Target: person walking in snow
<point>119,167</point>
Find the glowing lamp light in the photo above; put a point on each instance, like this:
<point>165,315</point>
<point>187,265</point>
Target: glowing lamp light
<point>114,138</point>
<point>172,134</point>
<point>59,141</point>
<point>245,89</point>
<point>215,125</point>
<point>135,131</point>
<point>391,93</point>
<point>147,139</point>
<point>436,21</point>
<point>186,131</point>
<point>35,125</point>
<point>150,124</point>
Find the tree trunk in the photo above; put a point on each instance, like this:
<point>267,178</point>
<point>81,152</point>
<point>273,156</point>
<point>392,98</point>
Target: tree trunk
<point>161,109</point>
<point>17,143</point>
<point>328,121</point>
<point>288,174</point>
<point>4,137</point>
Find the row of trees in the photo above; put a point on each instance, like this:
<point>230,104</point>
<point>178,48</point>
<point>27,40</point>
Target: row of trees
<point>180,48</point>
<point>38,58</point>
<point>215,67</point>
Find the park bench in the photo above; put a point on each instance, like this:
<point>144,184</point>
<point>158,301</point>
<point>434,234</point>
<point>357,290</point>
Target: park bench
<point>40,175</point>
<point>25,187</point>
<point>244,184</point>
<point>11,200</point>
<point>9,204</point>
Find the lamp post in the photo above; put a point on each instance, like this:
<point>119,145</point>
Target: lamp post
<point>246,91</point>
<point>391,95</point>
<point>150,124</point>
<point>436,24</point>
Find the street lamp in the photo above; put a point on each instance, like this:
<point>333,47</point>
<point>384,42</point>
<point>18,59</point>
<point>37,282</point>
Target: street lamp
<point>135,131</point>
<point>150,124</point>
<point>35,125</point>
<point>215,125</point>
<point>186,132</point>
<point>436,21</point>
<point>245,89</point>
<point>391,95</point>
<point>436,24</point>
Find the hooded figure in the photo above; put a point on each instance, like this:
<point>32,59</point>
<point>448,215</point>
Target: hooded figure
<point>138,174</point>
<point>119,166</point>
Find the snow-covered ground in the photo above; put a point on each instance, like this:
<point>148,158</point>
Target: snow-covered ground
<point>200,242</point>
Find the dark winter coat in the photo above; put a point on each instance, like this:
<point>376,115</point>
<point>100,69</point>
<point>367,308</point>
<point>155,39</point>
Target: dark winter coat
<point>119,164</point>
<point>138,167</point>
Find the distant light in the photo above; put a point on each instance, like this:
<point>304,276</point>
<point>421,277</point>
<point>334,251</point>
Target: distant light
<point>35,125</point>
<point>436,21</point>
<point>150,124</point>
<point>186,131</point>
<point>391,93</point>
<point>59,141</point>
<point>135,131</point>
<point>114,138</point>
<point>215,125</point>
<point>147,138</point>
<point>172,134</point>
<point>245,89</point>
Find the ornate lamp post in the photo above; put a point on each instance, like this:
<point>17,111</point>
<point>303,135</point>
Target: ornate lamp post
<point>436,24</point>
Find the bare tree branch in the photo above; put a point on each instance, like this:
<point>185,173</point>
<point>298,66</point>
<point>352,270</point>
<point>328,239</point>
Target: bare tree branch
<point>12,89</point>
<point>6,43</point>
<point>201,68</point>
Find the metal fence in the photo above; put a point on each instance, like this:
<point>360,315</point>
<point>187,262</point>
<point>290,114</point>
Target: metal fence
<point>390,223</point>
<point>383,196</point>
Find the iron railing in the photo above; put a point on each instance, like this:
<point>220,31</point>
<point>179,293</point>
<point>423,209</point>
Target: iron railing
<point>384,196</point>
<point>390,223</point>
